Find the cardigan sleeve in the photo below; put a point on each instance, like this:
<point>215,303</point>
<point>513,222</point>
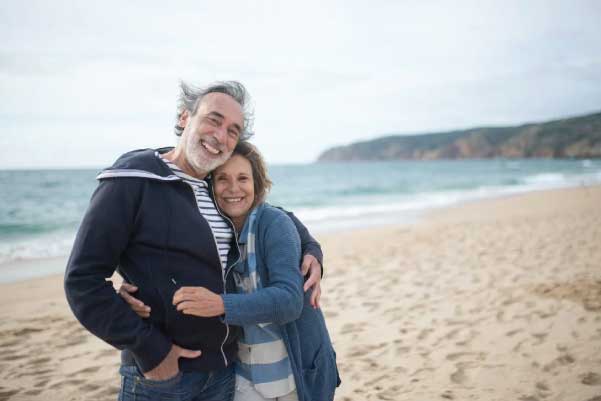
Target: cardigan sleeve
<point>281,299</point>
<point>309,245</point>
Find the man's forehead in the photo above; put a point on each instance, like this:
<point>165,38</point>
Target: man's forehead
<point>223,104</point>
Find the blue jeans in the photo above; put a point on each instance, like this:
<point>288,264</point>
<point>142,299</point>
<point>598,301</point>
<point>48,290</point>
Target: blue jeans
<point>217,385</point>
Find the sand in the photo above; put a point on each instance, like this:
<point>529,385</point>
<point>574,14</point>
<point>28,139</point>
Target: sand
<point>495,300</point>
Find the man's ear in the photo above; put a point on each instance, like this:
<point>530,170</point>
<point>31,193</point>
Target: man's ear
<point>183,119</point>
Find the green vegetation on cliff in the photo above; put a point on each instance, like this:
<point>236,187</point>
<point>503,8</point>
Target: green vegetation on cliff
<point>577,137</point>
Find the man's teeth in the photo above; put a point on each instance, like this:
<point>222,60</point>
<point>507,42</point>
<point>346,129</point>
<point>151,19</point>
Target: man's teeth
<point>210,148</point>
<point>232,200</point>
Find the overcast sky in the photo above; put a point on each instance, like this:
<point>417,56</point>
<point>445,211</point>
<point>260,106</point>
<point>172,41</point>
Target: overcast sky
<point>82,82</point>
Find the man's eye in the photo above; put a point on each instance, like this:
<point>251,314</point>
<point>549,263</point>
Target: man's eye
<point>213,121</point>
<point>233,133</point>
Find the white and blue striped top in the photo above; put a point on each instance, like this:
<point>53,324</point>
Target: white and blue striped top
<point>262,356</point>
<point>221,230</point>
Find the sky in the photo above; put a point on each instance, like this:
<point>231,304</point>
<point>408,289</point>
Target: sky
<point>83,82</point>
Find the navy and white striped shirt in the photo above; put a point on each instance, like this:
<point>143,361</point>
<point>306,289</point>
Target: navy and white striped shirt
<point>221,230</point>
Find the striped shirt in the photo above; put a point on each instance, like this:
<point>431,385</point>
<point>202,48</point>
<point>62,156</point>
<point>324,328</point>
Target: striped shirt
<point>222,231</point>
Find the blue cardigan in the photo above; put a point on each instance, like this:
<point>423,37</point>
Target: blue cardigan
<point>281,301</point>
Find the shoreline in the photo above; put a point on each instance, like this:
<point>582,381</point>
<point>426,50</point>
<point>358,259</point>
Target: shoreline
<point>28,269</point>
<point>496,299</point>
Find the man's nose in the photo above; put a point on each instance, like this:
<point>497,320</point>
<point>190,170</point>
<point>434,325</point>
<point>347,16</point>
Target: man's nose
<point>221,134</point>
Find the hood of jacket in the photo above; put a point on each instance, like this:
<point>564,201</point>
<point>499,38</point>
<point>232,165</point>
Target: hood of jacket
<point>141,163</point>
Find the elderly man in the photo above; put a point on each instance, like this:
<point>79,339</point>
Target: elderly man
<point>153,219</point>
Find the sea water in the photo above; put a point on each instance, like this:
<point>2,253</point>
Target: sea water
<point>40,210</point>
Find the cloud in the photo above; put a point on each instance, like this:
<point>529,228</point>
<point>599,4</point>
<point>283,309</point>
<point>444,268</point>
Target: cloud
<point>320,73</point>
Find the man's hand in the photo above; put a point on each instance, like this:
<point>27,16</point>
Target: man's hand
<point>312,267</point>
<point>169,367</point>
<point>138,306</point>
<point>198,301</point>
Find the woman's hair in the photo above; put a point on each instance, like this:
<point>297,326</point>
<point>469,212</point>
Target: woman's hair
<point>262,183</point>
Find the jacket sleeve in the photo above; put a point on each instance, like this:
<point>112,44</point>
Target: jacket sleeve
<point>309,245</point>
<point>101,239</point>
<point>281,299</point>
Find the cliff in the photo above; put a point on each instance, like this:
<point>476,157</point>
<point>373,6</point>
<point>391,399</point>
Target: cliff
<point>577,137</point>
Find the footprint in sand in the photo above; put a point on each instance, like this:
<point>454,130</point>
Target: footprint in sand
<point>458,376</point>
<point>590,379</point>
<point>563,360</point>
<point>528,398</point>
<point>540,337</point>
<point>402,350</point>
<point>35,373</point>
<point>41,383</point>
<point>513,332</point>
<point>457,355</point>
<point>65,383</point>
<point>424,334</point>
<point>40,361</point>
<point>33,392</point>
<point>91,369</point>
<point>80,339</point>
<point>6,394</point>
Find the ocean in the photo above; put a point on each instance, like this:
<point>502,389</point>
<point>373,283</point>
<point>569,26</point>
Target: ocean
<point>40,209</point>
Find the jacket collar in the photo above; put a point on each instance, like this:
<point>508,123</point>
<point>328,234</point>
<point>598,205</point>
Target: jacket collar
<point>142,163</point>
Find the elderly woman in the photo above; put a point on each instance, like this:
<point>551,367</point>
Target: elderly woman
<point>285,352</point>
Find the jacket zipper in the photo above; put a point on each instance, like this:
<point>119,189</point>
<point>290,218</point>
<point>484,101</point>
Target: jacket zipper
<point>223,274</point>
<point>227,269</point>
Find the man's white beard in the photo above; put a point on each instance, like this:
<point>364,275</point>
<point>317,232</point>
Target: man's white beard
<point>200,164</point>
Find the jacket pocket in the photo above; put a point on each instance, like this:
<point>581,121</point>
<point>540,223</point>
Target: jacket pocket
<point>321,378</point>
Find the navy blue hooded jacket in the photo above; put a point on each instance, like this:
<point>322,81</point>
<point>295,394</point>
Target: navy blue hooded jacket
<point>143,221</point>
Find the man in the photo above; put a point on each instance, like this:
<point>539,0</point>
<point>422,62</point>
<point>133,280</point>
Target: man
<point>153,219</point>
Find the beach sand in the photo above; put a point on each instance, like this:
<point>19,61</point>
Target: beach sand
<point>494,300</point>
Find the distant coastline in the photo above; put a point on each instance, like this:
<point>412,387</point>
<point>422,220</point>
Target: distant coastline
<point>568,138</point>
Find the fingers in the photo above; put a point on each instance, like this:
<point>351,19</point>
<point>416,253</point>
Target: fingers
<point>308,261</point>
<point>188,307</point>
<point>128,287</point>
<point>187,353</point>
<point>311,281</point>
<point>316,296</point>
<point>305,265</point>
<point>185,294</point>
<point>135,304</point>
<point>314,276</point>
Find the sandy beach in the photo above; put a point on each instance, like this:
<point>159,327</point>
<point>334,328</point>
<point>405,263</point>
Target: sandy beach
<point>494,300</point>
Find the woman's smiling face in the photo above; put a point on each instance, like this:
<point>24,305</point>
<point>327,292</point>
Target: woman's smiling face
<point>235,189</point>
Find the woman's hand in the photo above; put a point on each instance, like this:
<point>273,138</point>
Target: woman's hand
<point>312,268</point>
<point>134,303</point>
<point>198,301</point>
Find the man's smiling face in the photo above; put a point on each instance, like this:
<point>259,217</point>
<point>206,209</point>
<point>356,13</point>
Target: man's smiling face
<point>211,133</point>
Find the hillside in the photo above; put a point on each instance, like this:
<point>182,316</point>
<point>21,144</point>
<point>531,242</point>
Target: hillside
<point>577,137</point>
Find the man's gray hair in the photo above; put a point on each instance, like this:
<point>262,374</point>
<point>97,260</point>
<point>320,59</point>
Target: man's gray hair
<point>191,96</point>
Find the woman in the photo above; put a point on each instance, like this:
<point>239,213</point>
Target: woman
<point>285,351</point>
